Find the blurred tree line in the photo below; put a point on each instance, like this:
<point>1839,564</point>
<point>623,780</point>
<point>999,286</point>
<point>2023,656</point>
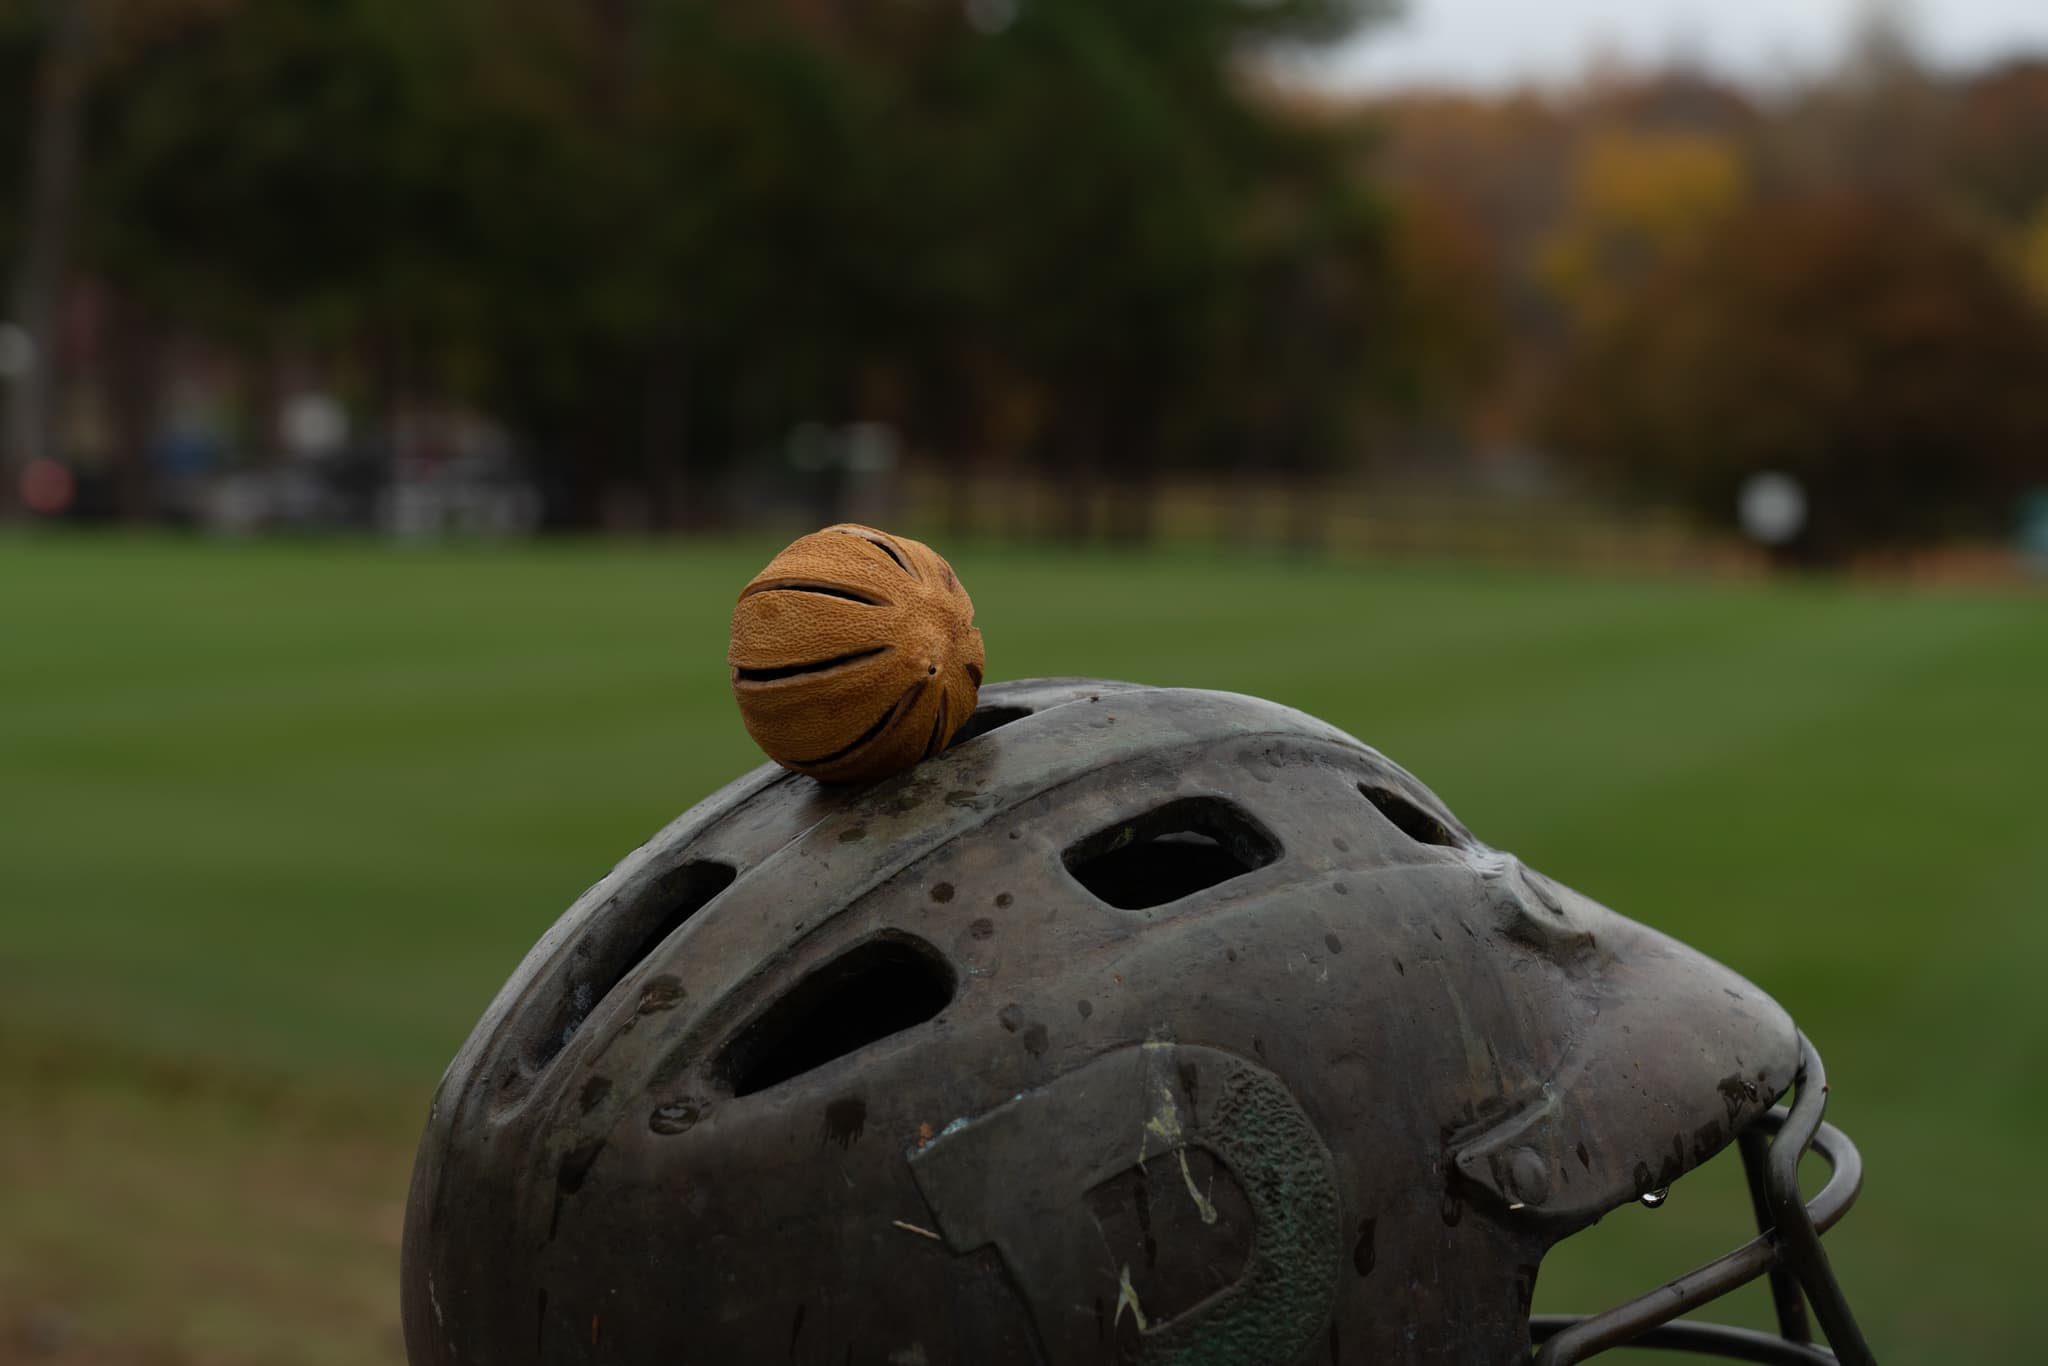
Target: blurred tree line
<point>654,236</point>
<point>1097,244</point>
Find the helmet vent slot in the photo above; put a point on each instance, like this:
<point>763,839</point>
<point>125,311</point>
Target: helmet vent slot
<point>1172,852</point>
<point>986,719</point>
<point>611,950</point>
<point>1410,819</point>
<point>881,988</point>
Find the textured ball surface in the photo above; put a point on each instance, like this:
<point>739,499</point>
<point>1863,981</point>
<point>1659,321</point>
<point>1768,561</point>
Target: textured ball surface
<point>854,654</point>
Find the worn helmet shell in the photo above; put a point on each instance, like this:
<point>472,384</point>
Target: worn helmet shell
<point>1142,1025</point>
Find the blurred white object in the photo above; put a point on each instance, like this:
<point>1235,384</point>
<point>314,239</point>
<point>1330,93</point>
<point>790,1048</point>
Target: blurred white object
<point>2034,529</point>
<point>1771,508</point>
<point>870,447</point>
<point>991,16</point>
<point>239,504</point>
<point>313,426</point>
<point>17,351</point>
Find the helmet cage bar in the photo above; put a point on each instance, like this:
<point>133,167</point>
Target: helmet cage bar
<point>1787,1248</point>
<point>1718,1340</point>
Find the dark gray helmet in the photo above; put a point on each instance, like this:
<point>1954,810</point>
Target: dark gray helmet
<point>1140,1026</point>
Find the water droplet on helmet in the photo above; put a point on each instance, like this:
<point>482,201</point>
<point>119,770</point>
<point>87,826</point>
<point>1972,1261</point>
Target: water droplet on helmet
<point>1652,1199</point>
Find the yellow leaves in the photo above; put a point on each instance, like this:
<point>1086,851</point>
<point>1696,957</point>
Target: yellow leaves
<point>2034,252</point>
<point>1636,200</point>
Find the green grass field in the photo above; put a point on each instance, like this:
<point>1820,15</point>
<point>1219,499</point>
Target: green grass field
<point>276,820</point>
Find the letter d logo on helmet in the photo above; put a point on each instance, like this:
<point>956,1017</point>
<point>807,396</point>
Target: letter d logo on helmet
<point>1139,1026</point>
<point>1256,1268</point>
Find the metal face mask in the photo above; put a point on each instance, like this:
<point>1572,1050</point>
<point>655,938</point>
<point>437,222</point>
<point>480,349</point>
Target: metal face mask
<point>1140,1026</point>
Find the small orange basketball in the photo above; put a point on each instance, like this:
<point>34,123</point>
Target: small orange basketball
<point>854,654</point>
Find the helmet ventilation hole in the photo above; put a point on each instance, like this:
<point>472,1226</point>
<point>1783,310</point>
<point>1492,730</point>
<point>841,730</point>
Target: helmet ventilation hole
<point>1170,852</point>
<point>1410,819</point>
<point>616,944</point>
<point>883,987</point>
<point>986,719</point>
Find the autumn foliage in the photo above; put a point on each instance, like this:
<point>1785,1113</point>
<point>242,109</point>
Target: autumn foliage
<point>1861,343</point>
<point>1847,283</point>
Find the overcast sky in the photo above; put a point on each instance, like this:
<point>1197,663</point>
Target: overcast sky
<point>1503,42</point>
